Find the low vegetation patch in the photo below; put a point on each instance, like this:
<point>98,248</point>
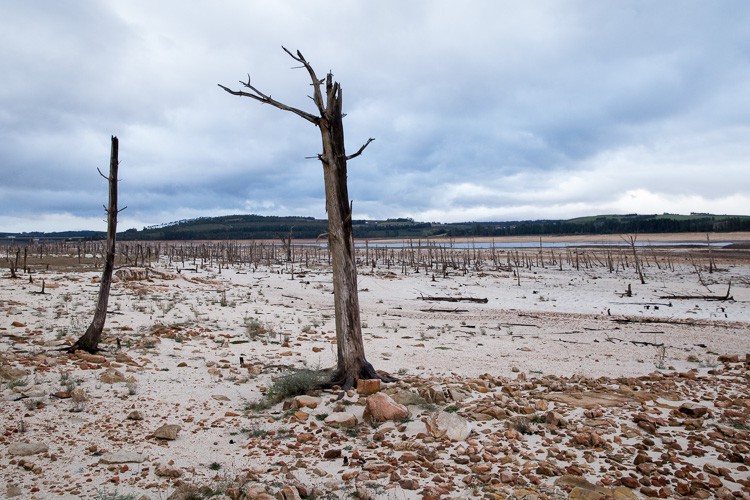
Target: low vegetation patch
<point>290,384</point>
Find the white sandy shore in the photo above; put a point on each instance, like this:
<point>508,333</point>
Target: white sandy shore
<point>561,322</point>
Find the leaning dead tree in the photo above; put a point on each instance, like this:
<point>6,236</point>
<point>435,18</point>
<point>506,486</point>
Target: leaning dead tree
<point>89,341</point>
<point>351,362</point>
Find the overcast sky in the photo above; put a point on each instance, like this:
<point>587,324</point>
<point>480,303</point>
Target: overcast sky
<point>481,110</point>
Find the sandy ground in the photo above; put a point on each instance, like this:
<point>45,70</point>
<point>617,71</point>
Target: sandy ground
<point>549,334</point>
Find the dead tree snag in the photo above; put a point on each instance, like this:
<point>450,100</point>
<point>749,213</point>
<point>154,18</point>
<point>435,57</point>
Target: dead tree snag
<point>89,341</point>
<point>351,362</point>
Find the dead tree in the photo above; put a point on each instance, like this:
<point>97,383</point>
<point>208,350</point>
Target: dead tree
<point>286,242</point>
<point>351,362</point>
<point>631,240</point>
<point>89,341</point>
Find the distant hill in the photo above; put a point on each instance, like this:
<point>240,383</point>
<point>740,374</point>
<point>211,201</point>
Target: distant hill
<point>248,227</point>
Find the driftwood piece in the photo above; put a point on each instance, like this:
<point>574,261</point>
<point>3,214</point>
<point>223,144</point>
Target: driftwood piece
<point>639,342</point>
<point>634,342</point>
<point>433,310</point>
<point>626,319</point>
<point>456,299</point>
<point>726,296</point>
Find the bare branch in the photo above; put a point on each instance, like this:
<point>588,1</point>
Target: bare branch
<point>267,99</point>
<point>359,151</point>
<point>318,99</point>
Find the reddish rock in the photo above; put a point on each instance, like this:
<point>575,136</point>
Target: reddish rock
<point>693,410</point>
<point>167,471</point>
<point>631,482</point>
<point>305,437</point>
<point>380,407</point>
<point>729,358</point>
<point>304,401</point>
<point>90,358</point>
<point>367,387</point>
<point>409,484</point>
<point>591,439</point>
<point>714,482</point>
<point>332,454</point>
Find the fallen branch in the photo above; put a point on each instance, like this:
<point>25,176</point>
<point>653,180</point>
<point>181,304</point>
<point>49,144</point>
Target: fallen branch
<point>726,296</point>
<point>433,310</point>
<point>665,304</point>
<point>455,299</point>
<point>638,342</point>
<point>612,339</point>
<point>686,321</point>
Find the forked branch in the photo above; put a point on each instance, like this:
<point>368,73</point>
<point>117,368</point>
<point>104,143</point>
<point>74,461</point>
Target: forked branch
<point>267,99</point>
<point>316,82</point>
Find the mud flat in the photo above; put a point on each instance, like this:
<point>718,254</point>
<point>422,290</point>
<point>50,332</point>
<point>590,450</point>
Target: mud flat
<point>552,372</point>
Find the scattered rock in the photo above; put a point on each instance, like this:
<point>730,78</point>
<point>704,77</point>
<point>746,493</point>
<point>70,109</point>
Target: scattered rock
<point>112,376</point>
<point>168,471</point>
<point>332,454</point>
<point>409,484</point>
<point>366,387</point>
<point>380,407</point>
<point>26,449</point>
<point>434,394</point>
<point>449,425</point>
<point>13,490</point>
<point>729,358</point>
<point>304,401</point>
<point>288,492</point>
<point>341,419</point>
<point>135,415</point>
<point>12,373</point>
<point>693,410</point>
<point>122,457</point>
<point>90,358</point>
<point>167,432</point>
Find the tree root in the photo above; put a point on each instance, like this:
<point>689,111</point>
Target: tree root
<point>78,347</point>
<point>348,380</point>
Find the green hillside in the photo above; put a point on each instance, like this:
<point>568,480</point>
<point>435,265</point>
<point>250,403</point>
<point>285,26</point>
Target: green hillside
<point>247,227</point>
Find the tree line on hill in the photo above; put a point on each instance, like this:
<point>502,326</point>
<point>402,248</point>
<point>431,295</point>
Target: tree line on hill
<point>259,227</point>
<point>249,227</point>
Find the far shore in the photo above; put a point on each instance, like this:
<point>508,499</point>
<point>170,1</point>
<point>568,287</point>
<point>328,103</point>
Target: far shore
<point>697,238</point>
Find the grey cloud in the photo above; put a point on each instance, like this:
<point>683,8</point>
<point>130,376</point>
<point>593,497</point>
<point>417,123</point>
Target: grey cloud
<point>489,110</point>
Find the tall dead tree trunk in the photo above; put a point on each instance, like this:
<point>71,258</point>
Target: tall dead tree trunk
<point>351,362</point>
<point>89,341</point>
